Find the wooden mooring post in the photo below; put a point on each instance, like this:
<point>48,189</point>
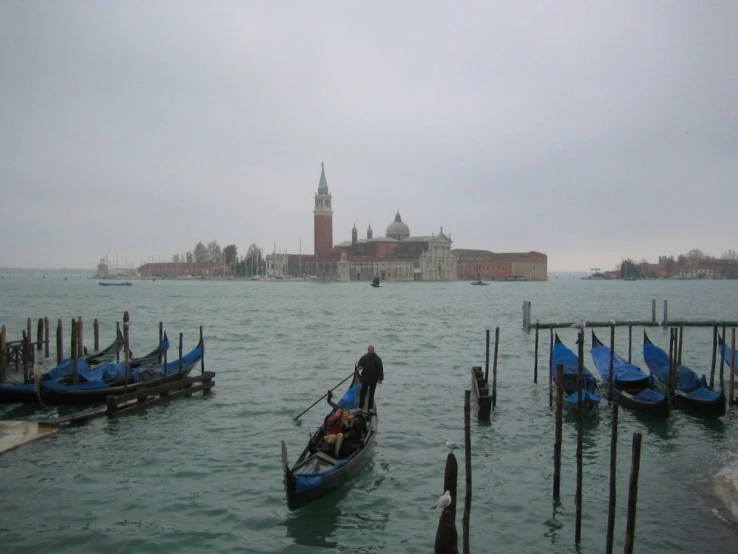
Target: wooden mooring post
<point>635,468</point>
<point>74,351</point>
<point>126,349</point>
<point>486,357</point>
<point>161,339</point>
<point>481,393</point>
<point>59,342</point>
<point>559,424</point>
<point>494,368</point>
<point>731,400</point>
<point>96,334</point>
<point>714,355</point>
<point>28,352</point>
<point>580,445</point>
<point>467,462</point>
<point>612,363</point>
<point>202,358</point>
<point>550,373</point>
<point>630,341</point>
<point>613,479</point>
<point>25,349</point>
<point>46,338</point>
<point>447,539</point>
<point>80,338</point>
<point>3,359</point>
<point>40,334</point>
<point>535,364</point>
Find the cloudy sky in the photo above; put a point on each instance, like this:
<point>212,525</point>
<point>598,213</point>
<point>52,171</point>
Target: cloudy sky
<point>590,131</point>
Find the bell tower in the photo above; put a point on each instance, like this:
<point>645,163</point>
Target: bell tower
<point>323,216</point>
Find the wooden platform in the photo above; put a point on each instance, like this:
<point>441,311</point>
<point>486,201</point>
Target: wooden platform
<point>17,433</point>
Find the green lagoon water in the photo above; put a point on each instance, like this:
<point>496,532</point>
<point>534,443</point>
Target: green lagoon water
<point>204,475</point>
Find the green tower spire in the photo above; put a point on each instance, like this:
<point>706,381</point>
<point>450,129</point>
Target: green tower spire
<point>323,185</point>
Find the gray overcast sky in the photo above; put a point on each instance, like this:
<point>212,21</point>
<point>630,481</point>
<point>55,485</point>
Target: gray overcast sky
<point>589,131</point>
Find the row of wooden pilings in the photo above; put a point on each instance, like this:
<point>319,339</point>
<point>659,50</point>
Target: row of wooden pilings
<point>558,440</point>
<point>22,353</point>
<point>486,396</point>
<point>528,323</point>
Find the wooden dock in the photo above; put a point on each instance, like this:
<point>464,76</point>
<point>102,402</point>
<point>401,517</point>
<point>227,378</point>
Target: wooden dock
<point>17,433</point>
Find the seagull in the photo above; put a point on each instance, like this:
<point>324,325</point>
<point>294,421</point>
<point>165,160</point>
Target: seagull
<point>443,501</point>
<point>451,445</point>
<point>612,322</point>
<point>581,325</point>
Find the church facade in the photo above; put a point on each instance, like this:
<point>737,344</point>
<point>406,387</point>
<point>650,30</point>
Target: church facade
<point>397,256</point>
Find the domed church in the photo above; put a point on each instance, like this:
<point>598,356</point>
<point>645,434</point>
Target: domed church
<point>397,256</point>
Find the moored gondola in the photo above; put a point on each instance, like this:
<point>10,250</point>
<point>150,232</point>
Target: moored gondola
<point>12,393</point>
<point>591,396</point>
<point>318,471</point>
<point>690,392</point>
<point>632,388</point>
<point>116,379</point>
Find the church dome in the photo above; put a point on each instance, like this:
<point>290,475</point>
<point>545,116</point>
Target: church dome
<point>397,229</point>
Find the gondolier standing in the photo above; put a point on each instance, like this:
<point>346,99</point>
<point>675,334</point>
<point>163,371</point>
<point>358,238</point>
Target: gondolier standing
<point>372,372</point>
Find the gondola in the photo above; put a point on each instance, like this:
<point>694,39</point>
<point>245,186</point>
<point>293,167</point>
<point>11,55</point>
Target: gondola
<point>591,397</point>
<point>126,284</point>
<point>316,471</point>
<point>690,392</point>
<point>115,379</point>
<point>632,388</point>
<point>13,393</point>
<point>480,283</point>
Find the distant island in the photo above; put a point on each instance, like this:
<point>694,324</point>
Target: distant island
<point>695,264</point>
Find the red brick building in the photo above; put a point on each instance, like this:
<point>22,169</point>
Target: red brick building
<point>491,266</point>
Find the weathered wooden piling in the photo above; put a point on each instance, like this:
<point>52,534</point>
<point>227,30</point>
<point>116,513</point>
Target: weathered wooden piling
<point>74,352</point>
<point>630,342</point>
<point>550,373</point>
<point>117,334</point>
<point>96,334</point>
<point>559,424</point>
<point>161,339</point>
<point>635,468</point>
<point>3,359</point>
<point>722,363</point>
<point>613,479</point>
<point>731,400</point>
<point>46,338</point>
<point>40,334</point>
<point>580,440</point>
<point>467,463</point>
<point>126,348</point>
<point>494,368</point>
<point>535,364</point>
<point>612,364</point>
<point>714,355</point>
<point>25,349</point>
<point>59,342</point>
<point>28,351</point>
<point>486,356</point>
<point>653,310</point>
<point>481,393</point>
<point>180,354</point>
<point>202,358</point>
<point>670,383</point>
<point>681,343</point>
<point>80,338</point>
<point>665,322</point>
<point>447,540</point>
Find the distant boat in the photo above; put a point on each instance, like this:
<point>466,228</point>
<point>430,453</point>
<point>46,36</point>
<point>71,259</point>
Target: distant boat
<point>375,282</point>
<point>126,284</point>
<point>479,283</point>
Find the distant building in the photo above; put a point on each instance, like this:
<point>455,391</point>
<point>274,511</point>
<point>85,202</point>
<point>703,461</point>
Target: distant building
<point>486,265</point>
<point>398,256</point>
<point>184,270</point>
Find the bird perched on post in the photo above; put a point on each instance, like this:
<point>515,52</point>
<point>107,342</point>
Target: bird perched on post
<point>444,501</point>
<point>451,445</point>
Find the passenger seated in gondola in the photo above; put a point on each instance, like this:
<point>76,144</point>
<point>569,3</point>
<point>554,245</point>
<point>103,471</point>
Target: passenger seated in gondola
<point>339,426</point>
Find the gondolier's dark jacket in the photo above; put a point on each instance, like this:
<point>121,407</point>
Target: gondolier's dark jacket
<point>373,369</point>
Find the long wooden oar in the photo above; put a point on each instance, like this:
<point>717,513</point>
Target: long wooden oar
<point>322,397</point>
